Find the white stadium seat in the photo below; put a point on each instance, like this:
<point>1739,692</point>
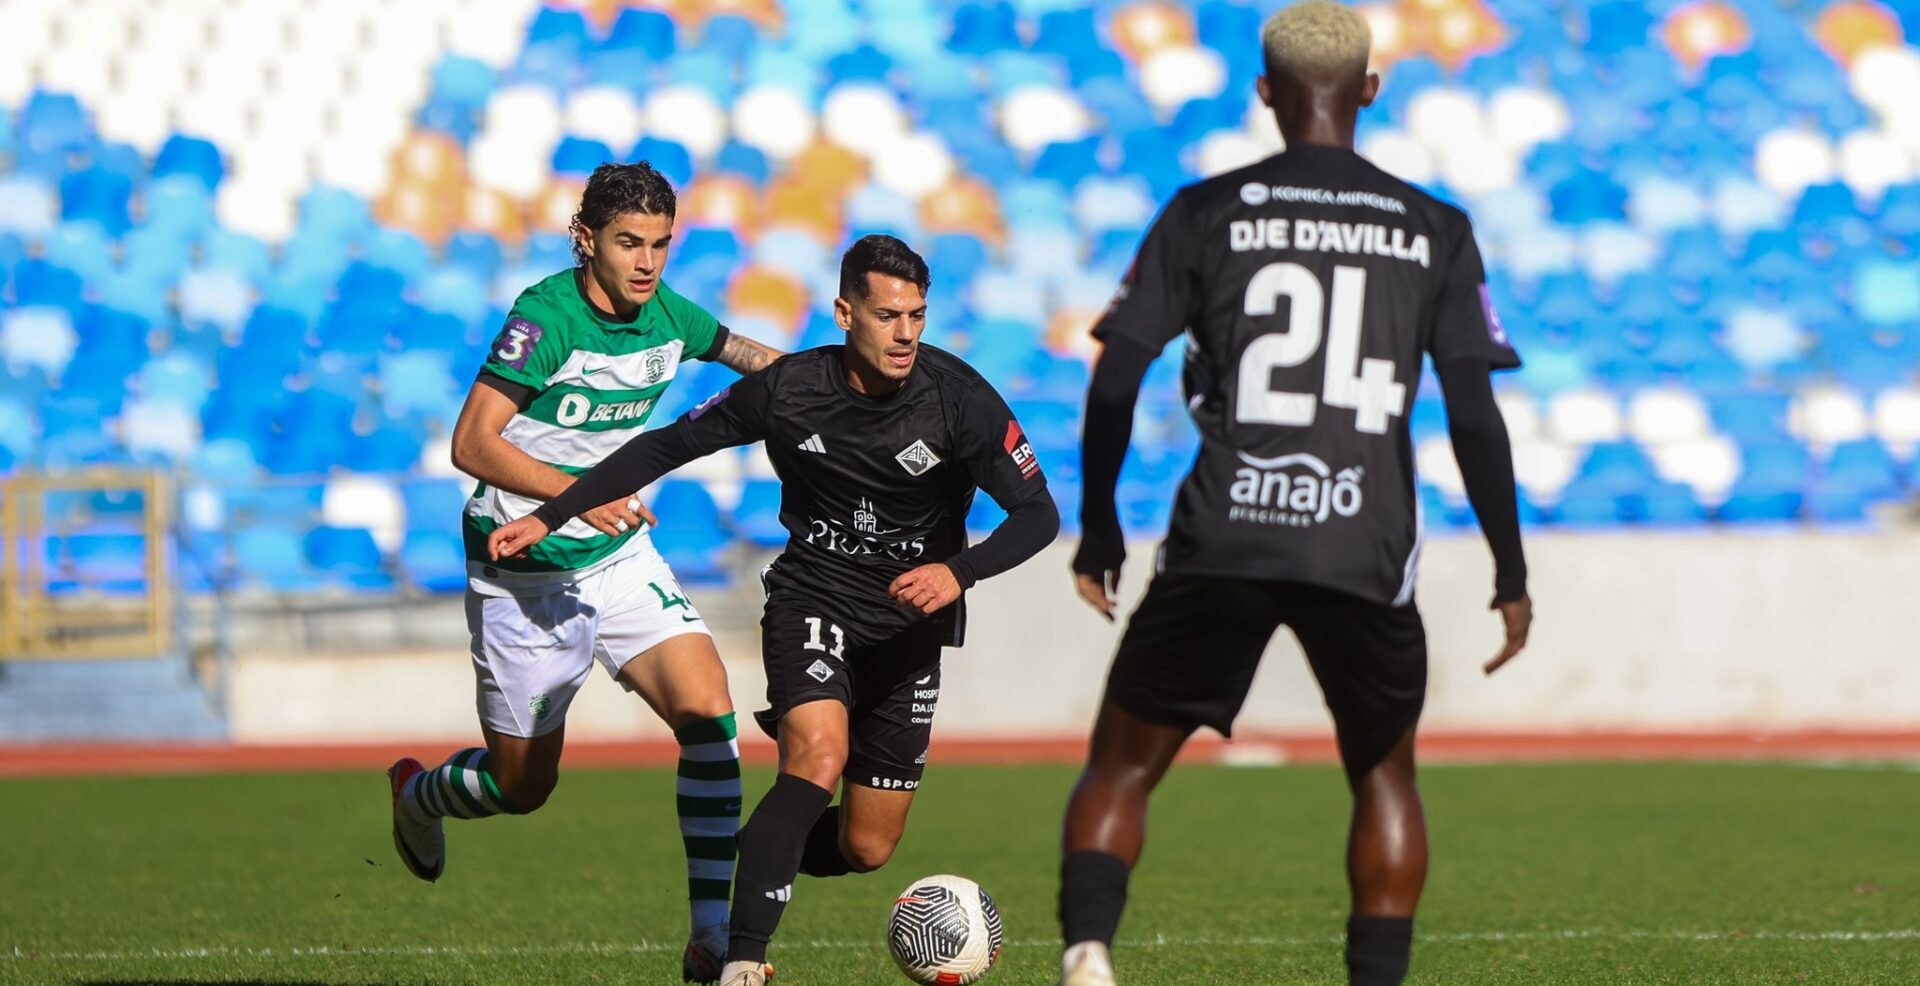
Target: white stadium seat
<point>774,120</point>
<point>1475,165</point>
<point>1583,417</point>
<point>1610,251</point>
<point>1791,158</point>
<point>1871,162</point>
<point>1441,116</point>
<point>1034,116</point>
<point>1520,117</point>
<point>1228,150</point>
<point>1173,77</point>
<point>1896,419</point>
<point>863,117</point>
<point>1543,469</point>
<point>1667,416</point>
<point>606,114</point>
<point>366,501</point>
<point>1521,413</point>
<point>1742,206</point>
<point>1709,465</point>
<point>160,427</point>
<point>1826,416</point>
<point>259,211</point>
<point>690,116</point>
<point>1657,204</point>
<point>1398,155</point>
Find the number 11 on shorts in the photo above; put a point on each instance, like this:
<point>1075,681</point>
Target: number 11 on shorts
<point>813,637</point>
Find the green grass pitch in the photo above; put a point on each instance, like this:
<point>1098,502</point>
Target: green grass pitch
<point>1542,874</point>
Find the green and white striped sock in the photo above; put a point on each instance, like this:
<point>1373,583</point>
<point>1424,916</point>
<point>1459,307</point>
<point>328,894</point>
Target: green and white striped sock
<point>709,797</point>
<point>462,787</point>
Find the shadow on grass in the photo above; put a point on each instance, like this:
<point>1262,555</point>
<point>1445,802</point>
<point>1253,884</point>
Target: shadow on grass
<point>193,982</point>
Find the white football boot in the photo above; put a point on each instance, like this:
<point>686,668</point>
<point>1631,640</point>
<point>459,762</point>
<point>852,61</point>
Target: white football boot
<point>1086,964</point>
<point>422,845</point>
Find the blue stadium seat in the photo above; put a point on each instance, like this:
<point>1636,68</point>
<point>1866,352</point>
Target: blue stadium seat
<point>650,33</point>
<point>576,157</point>
<point>740,159</point>
<point>689,537</point>
<point>194,157</point>
<point>757,516</point>
<point>383,450</point>
<point>864,63</point>
<point>434,504</point>
<point>112,562</point>
<point>435,561</point>
<point>348,556</point>
<point>1069,163</point>
<point>669,158</point>
<point>983,28</point>
<point>462,81</point>
<point>477,253</point>
<point>54,123</point>
<point>274,559</point>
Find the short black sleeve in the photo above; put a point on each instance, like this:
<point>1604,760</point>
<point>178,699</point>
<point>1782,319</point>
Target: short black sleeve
<point>519,393</point>
<point>1465,325</point>
<point>1159,297</point>
<point>720,334</point>
<point>994,449</point>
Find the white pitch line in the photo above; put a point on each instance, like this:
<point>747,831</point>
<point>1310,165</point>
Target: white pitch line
<point>21,954</point>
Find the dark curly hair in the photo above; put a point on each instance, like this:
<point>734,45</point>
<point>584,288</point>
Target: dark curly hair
<point>880,254</point>
<point>617,189</point>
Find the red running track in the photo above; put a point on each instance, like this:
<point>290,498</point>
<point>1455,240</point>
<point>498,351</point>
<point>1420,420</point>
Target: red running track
<point>69,759</point>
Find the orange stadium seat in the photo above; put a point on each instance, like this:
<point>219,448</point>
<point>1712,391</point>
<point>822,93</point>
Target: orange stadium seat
<point>554,207</point>
<point>422,209</point>
<point>828,168</point>
<point>1847,28</point>
<point>432,157</point>
<point>771,294</point>
<point>964,205</point>
<point>1698,32</point>
<point>722,201</point>
<point>1454,31</point>
<point>1140,29</point>
<point>494,213</point>
<point>794,203</point>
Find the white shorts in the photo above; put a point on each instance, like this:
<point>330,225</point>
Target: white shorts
<point>531,653</point>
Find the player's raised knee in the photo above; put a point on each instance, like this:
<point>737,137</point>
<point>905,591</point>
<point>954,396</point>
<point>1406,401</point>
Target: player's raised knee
<point>868,851</point>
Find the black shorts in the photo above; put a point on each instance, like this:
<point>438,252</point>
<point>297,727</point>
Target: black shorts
<point>1191,648</point>
<point>890,687</point>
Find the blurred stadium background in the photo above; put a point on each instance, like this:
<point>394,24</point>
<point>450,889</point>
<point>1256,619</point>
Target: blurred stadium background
<point>251,254</point>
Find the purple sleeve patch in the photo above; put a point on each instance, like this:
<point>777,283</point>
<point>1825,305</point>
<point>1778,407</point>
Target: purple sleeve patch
<point>703,406</point>
<point>516,342</point>
<point>1495,331</point>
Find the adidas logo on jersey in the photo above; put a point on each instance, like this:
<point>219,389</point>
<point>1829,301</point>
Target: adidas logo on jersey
<point>782,895</point>
<point>814,444</point>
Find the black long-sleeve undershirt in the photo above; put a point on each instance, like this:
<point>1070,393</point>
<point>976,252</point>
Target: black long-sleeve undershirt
<point>1028,527</point>
<point>1480,446</point>
<point>1111,395</point>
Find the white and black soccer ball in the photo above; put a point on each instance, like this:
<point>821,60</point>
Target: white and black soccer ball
<point>945,931</point>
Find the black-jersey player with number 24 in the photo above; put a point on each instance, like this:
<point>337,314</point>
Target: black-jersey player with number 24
<point>1311,285</point>
<point>880,445</point>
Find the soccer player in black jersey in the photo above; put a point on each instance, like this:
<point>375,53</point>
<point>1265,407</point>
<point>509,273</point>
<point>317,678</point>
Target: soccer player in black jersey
<point>1311,285</point>
<point>879,445</point>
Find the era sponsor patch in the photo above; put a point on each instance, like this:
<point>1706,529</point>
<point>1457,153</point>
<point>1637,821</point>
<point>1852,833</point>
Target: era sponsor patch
<point>1021,450</point>
<point>516,342</point>
<point>702,407</point>
<point>1495,331</point>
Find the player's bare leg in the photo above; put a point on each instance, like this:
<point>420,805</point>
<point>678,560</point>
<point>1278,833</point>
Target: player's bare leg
<point>1386,863</point>
<point>1106,828</point>
<point>813,754</point>
<point>684,682</point>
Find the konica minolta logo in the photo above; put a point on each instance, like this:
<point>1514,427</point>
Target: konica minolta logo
<point>1295,490</point>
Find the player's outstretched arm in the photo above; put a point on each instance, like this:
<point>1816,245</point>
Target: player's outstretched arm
<point>743,355</point>
<point>481,452</point>
<point>1111,395</point>
<point>1481,446</point>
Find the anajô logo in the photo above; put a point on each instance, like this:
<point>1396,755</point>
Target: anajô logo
<point>1264,491</point>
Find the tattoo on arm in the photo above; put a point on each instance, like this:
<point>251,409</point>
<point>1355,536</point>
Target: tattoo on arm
<point>743,355</point>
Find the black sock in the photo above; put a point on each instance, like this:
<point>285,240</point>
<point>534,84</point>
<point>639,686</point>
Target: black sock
<point>1093,892</point>
<point>822,856</point>
<point>1378,950</point>
<point>770,846</point>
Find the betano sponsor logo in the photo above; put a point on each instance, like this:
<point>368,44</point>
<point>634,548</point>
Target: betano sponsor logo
<point>1265,491</point>
<point>578,409</point>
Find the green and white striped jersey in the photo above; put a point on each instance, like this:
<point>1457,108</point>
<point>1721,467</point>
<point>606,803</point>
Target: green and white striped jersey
<point>594,381</point>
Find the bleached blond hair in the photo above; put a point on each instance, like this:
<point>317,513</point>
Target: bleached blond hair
<point>1317,41</point>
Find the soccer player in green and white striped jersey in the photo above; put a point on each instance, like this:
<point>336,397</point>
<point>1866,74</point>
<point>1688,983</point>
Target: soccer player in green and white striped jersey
<point>579,367</point>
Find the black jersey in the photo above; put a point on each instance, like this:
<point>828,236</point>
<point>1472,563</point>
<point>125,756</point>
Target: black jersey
<point>1310,284</point>
<point>872,487</point>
